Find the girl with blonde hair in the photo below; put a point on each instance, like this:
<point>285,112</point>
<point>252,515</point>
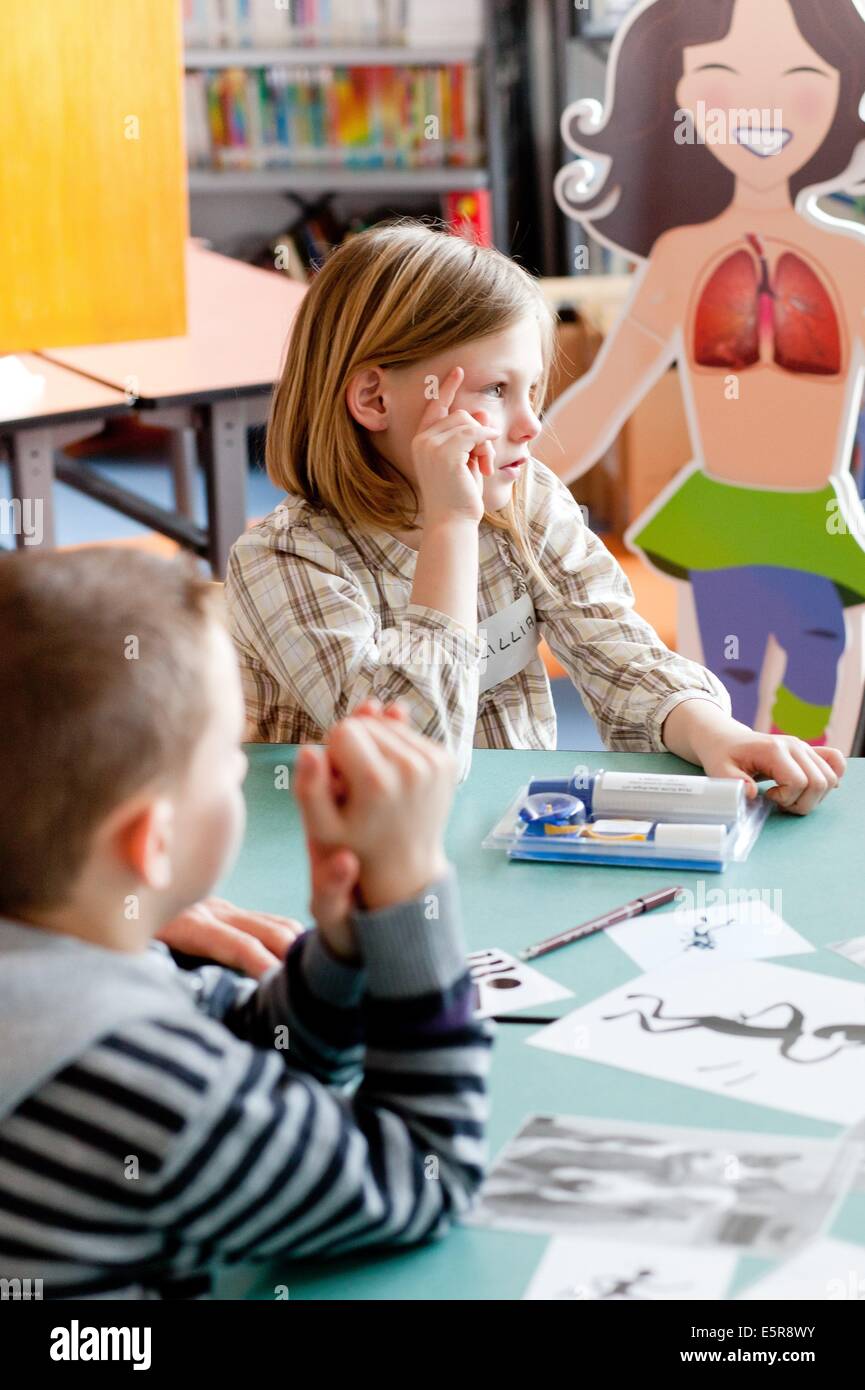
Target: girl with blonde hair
<point>421,552</point>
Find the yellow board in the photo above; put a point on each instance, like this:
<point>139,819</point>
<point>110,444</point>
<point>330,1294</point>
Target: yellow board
<point>93,203</point>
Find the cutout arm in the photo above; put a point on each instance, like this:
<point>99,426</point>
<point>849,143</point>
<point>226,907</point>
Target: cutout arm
<point>584,422</point>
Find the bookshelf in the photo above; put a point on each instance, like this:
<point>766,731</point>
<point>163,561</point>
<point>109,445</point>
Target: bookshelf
<point>499,72</point>
<point>343,180</point>
<point>390,55</point>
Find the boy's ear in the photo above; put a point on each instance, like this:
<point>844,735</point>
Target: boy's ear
<point>366,399</point>
<point>144,841</point>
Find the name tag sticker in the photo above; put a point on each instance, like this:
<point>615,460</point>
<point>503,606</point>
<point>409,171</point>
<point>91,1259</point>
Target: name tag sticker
<point>511,638</point>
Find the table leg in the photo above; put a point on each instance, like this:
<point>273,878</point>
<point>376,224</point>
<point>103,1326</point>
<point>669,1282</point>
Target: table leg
<point>33,487</point>
<point>225,463</point>
<point>181,422</point>
<point>183,448</point>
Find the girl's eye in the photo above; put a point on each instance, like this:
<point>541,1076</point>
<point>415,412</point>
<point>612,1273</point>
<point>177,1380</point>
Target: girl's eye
<point>499,387</point>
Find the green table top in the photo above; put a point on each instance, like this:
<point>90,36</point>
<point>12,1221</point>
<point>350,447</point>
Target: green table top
<point>814,862</point>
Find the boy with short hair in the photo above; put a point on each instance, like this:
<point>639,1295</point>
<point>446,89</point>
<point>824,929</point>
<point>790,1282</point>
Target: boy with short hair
<point>152,1123</point>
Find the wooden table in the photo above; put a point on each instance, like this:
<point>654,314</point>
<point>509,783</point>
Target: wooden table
<point>215,380</point>
<point>71,407</point>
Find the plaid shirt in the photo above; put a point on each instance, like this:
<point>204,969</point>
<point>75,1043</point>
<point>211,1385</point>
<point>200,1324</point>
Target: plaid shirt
<point>322,619</point>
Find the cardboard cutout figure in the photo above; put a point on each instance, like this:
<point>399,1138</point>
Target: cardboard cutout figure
<point>724,122</point>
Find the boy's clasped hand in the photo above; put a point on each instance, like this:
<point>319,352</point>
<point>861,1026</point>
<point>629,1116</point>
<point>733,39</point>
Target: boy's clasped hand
<point>374,802</point>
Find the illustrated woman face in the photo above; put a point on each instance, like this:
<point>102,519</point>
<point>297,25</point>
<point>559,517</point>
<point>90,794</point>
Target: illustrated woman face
<point>762,99</point>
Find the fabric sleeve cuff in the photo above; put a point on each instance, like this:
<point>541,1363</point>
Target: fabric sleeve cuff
<point>678,698</point>
<point>415,947</point>
<point>473,647</point>
<point>337,982</point>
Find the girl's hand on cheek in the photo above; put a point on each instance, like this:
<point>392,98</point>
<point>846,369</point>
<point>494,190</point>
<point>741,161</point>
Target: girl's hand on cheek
<point>448,451</point>
<point>484,455</point>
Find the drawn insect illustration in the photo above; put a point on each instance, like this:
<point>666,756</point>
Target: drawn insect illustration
<point>701,938</point>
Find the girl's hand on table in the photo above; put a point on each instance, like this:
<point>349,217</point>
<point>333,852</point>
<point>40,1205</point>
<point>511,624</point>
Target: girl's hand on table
<point>804,775</point>
<point>701,732</point>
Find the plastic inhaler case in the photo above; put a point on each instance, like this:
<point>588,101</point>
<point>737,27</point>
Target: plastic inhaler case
<point>632,819</point>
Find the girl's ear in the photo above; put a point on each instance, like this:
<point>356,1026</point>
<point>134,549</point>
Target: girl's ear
<point>366,400</point>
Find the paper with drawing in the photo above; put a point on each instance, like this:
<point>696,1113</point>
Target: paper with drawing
<point>582,1175</point>
<point>746,930</point>
<point>790,1039</point>
<point>617,1272</point>
<point>506,984</point>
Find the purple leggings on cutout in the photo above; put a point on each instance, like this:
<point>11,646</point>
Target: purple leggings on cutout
<point>751,603</point>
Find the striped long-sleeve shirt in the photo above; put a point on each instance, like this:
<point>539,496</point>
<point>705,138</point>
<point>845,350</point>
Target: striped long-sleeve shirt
<point>322,618</point>
<point>331,1107</point>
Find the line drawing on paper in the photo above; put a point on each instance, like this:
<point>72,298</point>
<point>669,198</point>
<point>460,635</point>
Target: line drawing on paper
<point>625,1287</point>
<point>701,937</point>
<point>788,1033</point>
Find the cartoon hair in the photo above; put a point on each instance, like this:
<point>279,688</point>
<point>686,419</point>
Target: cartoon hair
<point>651,183</point>
<point>393,295</point>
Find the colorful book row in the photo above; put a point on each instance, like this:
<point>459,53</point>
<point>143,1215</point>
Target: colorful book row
<point>369,117</point>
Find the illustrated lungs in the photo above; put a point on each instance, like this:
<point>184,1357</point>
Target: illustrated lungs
<point>807,336</point>
<point>798,312</point>
<point>727,330</point>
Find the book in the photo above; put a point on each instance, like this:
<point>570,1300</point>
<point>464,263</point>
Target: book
<point>470,215</point>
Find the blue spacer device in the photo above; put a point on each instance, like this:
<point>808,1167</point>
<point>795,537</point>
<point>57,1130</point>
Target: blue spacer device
<point>556,808</point>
